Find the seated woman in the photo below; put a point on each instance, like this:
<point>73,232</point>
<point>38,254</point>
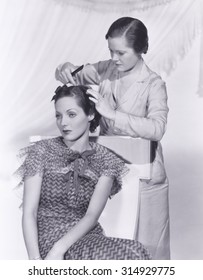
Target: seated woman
<point>67,181</point>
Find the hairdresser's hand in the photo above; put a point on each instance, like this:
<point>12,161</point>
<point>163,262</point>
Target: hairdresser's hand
<point>101,104</point>
<point>55,254</point>
<point>63,73</point>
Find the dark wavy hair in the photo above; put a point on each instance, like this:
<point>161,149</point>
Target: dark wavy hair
<point>82,98</point>
<point>134,31</point>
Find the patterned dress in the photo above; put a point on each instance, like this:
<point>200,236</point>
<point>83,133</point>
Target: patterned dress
<point>68,182</point>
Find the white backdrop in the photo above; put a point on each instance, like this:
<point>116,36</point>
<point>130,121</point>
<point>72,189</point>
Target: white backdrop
<point>37,35</point>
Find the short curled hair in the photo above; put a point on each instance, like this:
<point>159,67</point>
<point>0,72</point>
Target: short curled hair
<point>134,31</point>
<point>79,93</point>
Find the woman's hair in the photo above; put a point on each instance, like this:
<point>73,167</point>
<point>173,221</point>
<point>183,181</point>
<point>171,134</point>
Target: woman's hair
<point>82,98</point>
<point>134,31</point>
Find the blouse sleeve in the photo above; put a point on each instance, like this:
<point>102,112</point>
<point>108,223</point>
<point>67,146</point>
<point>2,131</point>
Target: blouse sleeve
<point>153,125</point>
<point>34,160</point>
<point>114,167</point>
<point>93,74</point>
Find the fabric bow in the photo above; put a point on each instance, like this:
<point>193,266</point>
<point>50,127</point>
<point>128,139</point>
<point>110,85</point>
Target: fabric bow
<point>76,170</point>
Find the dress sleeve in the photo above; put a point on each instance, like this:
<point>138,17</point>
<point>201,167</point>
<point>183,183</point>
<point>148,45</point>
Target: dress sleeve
<point>34,160</point>
<point>114,167</point>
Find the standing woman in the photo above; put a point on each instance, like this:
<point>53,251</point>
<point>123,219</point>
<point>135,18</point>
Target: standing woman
<point>132,100</point>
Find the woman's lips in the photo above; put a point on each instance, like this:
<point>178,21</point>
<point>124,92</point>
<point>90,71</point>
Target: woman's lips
<point>66,131</point>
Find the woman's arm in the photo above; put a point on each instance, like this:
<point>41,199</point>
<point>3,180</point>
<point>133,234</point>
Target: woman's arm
<point>96,206</point>
<point>32,187</point>
<point>90,75</point>
<point>153,125</point>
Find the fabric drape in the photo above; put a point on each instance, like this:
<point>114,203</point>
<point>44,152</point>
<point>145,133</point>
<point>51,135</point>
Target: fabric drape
<point>113,5</point>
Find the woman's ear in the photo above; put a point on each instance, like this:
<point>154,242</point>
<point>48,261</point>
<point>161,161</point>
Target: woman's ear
<point>91,117</point>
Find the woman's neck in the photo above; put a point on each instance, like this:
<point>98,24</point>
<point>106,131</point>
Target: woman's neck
<point>133,71</point>
<point>80,145</point>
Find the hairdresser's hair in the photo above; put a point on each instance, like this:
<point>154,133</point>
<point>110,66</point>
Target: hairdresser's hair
<point>134,31</point>
<point>82,99</point>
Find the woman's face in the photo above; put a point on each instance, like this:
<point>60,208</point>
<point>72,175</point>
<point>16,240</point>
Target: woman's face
<point>71,120</point>
<point>124,57</point>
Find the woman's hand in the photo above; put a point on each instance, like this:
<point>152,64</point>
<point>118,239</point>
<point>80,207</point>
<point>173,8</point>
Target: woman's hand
<point>55,254</point>
<point>101,104</point>
<point>63,73</point>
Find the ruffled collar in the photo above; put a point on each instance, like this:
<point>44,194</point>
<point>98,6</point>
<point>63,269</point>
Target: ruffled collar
<point>61,147</point>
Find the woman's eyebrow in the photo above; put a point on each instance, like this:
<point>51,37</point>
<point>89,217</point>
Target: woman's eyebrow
<point>74,109</point>
<point>116,50</point>
<point>70,109</point>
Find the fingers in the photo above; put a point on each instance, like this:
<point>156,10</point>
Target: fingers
<point>63,73</point>
<point>94,96</point>
<point>57,72</point>
<point>94,100</point>
<point>94,87</point>
<point>93,93</point>
<point>66,74</point>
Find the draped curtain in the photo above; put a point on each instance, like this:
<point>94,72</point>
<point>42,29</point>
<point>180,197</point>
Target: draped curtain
<point>113,5</point>
<point>37,35</point>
